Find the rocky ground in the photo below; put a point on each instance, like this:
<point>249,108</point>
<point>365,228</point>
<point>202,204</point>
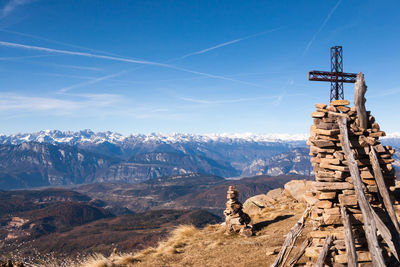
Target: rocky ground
<point>273,215</point>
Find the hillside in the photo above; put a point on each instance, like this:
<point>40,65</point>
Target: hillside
<point>125,233</point>
<point>210,246</point>
<point>63,223</point>
<point>50,158</point>
<point>181,192</point>
<point>189,246</point>
<point>101,217</point>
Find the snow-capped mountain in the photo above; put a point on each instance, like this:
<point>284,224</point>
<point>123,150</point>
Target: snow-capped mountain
<point>88,136</point>
<point>54,157</point>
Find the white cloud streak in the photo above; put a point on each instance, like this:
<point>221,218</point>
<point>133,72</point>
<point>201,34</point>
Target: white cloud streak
<point>83,54</point>
<point>80,105</point>
<point>55,42</point>
<point>120,59</point>
<point>223,44</point>
<point>23,103</point>
<point>96,80</point>
<point>65,66</point>
<point>19,58</point>
<point>93,81</point>
<point>322,26</point>
<point>226,101</point>
<point>11,5</point>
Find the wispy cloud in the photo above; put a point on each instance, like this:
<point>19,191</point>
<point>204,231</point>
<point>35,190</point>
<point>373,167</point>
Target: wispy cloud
<point>78,67</point>
<point>218,77</point>
<point>83,54</point>
<point>322,26</point>
<point>394,91</point>
<point>120,59</point>
<point>56,42</point>
<point>80,105</point>
<point>24,103</point>
<point>15,102</point>
<point>226,101</point>
<point>93,81</point>
<point>19,58</point>
<point>223,44</point>
<point>11,5</point>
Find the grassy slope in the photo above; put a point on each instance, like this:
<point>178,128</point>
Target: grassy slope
<point>188,246</point>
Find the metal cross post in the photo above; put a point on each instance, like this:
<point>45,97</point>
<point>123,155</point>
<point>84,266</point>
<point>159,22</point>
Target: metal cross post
<point>336,76</point>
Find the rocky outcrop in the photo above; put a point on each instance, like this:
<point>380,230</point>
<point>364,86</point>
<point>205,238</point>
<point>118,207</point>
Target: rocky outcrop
<point>146,166</point>
<point>298,188</point>
<point>42,164</point>
<point>295,161</point>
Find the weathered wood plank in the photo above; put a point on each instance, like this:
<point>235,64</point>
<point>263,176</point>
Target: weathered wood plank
<point>383,189</point>
<point>352,260</point>
<point>359,100</point>
<point>386,234</point>
<point>324,252</point>
<point>300,252</point>
<point>369,222</point>
<point>291,239</point>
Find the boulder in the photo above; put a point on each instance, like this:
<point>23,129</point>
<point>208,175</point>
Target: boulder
<point>297,189</point>
<point>256,203</point>
<point>275,193</point>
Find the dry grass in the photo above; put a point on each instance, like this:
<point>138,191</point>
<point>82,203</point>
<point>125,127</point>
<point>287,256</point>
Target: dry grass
<point>188,246</point>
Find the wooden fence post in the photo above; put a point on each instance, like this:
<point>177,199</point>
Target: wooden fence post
<point>369,222</point>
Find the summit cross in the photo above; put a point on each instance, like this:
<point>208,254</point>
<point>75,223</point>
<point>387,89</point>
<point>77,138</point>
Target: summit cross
<point>336,76</point>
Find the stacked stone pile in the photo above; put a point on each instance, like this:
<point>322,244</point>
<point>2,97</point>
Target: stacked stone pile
<point>236,221</point>
<point>334,187</point>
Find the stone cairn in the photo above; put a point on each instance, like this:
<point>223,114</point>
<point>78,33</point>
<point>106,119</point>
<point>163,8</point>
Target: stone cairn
<point>334,185</point>
<point>351,209</point>
<point>236,221</point>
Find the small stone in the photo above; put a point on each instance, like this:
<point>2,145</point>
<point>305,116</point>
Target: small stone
<point>343,109</point>
<point>312,252</point>
<point>247,231</point>
<point>272,251</point>
<point>336,103</point>
<point>348,200</point>
<point>320,105</point>
<point>327,195</point>
<point>317,114</point>
<point>323,204</point>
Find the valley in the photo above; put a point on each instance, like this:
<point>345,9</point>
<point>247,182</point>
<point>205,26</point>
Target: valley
<point>64,223</point>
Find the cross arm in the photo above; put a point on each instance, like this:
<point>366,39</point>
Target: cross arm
<point>326,76</point>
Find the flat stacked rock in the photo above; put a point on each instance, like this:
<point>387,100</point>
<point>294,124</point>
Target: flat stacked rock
<point>334,187</point>
<point>236,221</point>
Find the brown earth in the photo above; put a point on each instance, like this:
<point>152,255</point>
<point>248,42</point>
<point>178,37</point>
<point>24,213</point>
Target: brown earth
<point>188,246</point>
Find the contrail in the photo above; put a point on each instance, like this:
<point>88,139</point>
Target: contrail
<point>56,42</point>
<point>93,81</point>
<point>322,26</point>
<point>223,44</point>
<point>120,59</point>
<point>190,71</point>
<point>74,53</point>
<point>217,76</point>
<point>16,58</point>
<point>225,101</point>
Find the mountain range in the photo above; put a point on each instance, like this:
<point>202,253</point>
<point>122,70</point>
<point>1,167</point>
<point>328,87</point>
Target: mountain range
<point>54,157</point>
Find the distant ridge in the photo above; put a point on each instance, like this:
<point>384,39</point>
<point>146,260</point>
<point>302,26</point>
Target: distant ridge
<point>88,136</point>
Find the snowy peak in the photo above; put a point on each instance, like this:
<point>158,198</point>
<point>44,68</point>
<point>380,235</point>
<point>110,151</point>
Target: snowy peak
<point>88,136</point>
<point>59,137</point>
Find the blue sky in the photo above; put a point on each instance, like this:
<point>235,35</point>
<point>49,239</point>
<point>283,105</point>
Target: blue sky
<point>189,66</point>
